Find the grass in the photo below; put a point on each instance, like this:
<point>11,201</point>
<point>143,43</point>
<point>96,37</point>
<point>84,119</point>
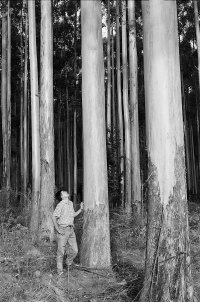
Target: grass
<point>28,273</point>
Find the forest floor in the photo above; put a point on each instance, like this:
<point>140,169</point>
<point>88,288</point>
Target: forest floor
<point>28,273</point>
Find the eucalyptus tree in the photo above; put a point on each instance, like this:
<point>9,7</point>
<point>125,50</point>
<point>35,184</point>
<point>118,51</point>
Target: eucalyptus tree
<point>36,164</point>
<point>168,268</point>
<point>95,251</point>
<point>46,121</point>
<point>133,78</point>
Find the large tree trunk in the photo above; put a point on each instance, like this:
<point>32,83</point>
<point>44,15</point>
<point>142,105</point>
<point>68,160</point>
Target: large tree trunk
<point>95,251</point>
<point>46,122</point>
<point>135,148</point>
<point>34,223</point>
<point>168,268</point>
<point>127,129</point>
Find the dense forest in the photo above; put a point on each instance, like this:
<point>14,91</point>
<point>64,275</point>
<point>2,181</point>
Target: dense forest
<point>100,99</point>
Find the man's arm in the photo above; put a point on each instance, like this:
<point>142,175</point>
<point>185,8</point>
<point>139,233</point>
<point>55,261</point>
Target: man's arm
<point>56,224</point>
<point>80,210</point>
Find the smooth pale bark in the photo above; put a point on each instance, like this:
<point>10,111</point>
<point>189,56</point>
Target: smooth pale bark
<point>46,122</point>
<point>196,15</point>
<point>95,250</point>
<point>108,71</point>
<point>75,114</point>
<point>113,115</point>
<point>25,107</point>
<point>119,102</point>
<point>127,129</point>
<point>168,267</point>
<point>133,78</point>
<point>75,158</point>
<point>34,223</point>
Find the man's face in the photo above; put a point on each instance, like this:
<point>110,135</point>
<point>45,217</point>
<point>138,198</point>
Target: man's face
<point>64,194</point>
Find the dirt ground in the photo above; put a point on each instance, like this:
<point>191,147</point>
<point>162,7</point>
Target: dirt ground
<point>28,273</point>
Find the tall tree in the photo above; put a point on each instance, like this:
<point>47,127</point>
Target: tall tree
<point>95,251</point>
<point>127,129</point>
<point>108,70</point>
<point>119,102</point>
<point>133,67</point>
<point>75,111</point>
<point>5,97</point>
<point>34,223</point>
<point>46,121</point>
<point>168,269</point>
<point>8,105</point>
<point>196,15</point>
<point>25,105</point>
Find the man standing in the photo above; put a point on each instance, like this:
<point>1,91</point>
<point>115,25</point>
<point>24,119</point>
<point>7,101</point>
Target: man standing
<point>63,219</point>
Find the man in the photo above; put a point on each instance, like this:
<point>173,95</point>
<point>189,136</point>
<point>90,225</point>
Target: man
<point>63,219</point>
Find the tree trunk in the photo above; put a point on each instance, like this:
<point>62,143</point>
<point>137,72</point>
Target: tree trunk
<point>8,107</point>
<point>196,14</point>
<point>113,115</point>
<point>34,223</point>
<point>25,107</point>
<point>68,145</point>
<point>4,89</point>
<point>168,268</point>
<point>127,129</point>
<point>119,100</point>
<point>46,122</point>
<point>95,251</point>
<point>75,113</point>
<point>108,71</point>
<point>135,147</point>
<point>21,112</point>
<point>75,159</point>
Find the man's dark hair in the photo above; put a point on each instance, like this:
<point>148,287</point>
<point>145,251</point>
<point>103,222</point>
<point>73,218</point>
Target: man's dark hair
<point>58,195</point>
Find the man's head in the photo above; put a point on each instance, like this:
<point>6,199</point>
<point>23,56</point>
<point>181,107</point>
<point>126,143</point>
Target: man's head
<point>62,194</point>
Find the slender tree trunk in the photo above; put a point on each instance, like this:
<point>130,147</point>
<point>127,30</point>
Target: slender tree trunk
<point>34,223</point>
<point>75,113</point>
<point>68,145</point>
<point>113,115</point>
<point>108,71</point>
<point>46,122</point>
<point>168,267</point>
<point>25,107</point>
<point>4,96</point>
<point>194,173</point>
<point>135,148</point>
<point>95,251</point>
<point>196,14</point>
<point>21,111</point>
<point>8,108</point>
<point>75,158</point>
<point>119,100</point>
<point>185,127</point>
<point>127,129</point>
